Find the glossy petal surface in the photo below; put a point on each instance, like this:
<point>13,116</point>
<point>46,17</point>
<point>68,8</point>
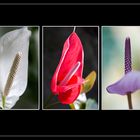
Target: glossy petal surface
<point>67,79</point>
<point>129,83</point>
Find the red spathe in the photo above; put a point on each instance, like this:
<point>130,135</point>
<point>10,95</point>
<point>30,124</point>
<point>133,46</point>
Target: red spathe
<point>67,79</point>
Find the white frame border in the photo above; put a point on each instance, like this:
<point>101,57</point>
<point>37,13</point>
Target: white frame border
<point>98,67</point>
<point>16,26</point>
<point>102,66</point>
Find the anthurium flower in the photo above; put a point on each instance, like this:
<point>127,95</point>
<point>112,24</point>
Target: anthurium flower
<point>13,66</point>
<point>130,82</point>
<point>67,79</point>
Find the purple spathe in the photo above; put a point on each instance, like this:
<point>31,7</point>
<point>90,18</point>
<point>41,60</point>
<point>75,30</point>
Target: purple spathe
<point>128,83</point>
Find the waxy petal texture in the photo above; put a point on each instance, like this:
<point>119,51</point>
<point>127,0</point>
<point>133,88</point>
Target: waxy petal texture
<point>67,79</point>
<point>129,83</point>
<point>12,43</point>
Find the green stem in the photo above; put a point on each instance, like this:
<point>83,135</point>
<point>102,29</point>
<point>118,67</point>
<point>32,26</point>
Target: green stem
<point>129,100</point>
<point>52,104</point>
<point>3,101</point>
<point>49,98</point>
<point>72,106</point>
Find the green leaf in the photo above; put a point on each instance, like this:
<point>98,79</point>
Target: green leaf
<point>89,82</point>
<point>91,104</point>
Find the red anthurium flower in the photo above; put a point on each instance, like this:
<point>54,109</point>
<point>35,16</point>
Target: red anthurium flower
<point>67,79</point>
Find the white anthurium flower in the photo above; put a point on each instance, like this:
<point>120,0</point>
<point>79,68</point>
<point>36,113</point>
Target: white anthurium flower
<point>14,47</point>
<point>80,100</point>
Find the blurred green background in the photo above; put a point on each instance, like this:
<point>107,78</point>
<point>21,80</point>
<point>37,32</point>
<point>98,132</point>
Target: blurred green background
<point>113,43</point>
<point>29,100</point>
<point>54,38</point>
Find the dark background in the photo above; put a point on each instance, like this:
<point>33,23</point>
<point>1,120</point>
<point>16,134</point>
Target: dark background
<point>70,122</point>
<point>54,38</point>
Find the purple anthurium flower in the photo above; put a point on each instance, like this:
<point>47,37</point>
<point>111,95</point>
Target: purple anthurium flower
<point>130,82</point>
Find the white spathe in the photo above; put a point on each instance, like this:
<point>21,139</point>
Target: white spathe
<point>10,44</point>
